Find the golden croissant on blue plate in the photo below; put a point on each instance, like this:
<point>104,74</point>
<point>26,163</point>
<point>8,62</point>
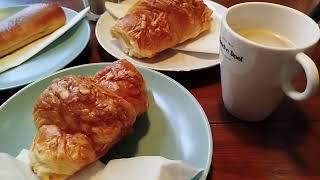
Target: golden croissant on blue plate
<point>78,119</point>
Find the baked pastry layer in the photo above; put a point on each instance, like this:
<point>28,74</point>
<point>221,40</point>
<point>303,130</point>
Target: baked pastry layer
<point>152,26</point>
<point>80,118</point>
<point>28,25</point>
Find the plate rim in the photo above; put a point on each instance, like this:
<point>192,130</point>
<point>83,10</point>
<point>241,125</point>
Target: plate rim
<point>73,56</point>
<point>215,4</point>
<point>195,101</point>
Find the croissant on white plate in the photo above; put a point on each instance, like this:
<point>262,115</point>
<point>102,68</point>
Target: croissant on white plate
<point>78,120</point>
<point>152,26</point>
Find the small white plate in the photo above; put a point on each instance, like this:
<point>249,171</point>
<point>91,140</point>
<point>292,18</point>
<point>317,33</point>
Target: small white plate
<point>169,60</point>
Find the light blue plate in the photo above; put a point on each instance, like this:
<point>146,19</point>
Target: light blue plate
<point>175,125</point>
<point>52,58</point>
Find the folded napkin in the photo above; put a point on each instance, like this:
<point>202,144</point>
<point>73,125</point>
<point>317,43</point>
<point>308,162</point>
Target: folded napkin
<point>11,168</point>
<point>207,42</point>
<point>136,168</point>
<point>147,168</point>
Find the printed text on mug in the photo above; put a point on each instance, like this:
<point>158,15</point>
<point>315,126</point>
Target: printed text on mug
<point>230,52</point>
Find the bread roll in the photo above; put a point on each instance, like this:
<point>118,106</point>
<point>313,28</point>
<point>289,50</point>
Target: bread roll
<point>28,25</point>
<point>152,26</point>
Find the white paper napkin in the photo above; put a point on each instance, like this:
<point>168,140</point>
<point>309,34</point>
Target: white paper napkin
<point>136,168</point>
<point>147,168</point>
<point>207,42</point>
<point>89,173</point>
<point>119,10</point>
<point>23,156</point>
<point>10,168</point>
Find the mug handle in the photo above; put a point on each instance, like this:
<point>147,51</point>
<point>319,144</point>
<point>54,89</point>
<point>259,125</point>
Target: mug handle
<point>312,76</point>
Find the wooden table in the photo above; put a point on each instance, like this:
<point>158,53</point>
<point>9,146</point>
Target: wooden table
<point>284,146</point>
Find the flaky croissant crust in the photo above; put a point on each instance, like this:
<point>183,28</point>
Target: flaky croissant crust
<point>152,26</point>
<point>79,120</point>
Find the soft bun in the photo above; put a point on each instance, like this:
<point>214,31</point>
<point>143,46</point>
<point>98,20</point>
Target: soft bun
<point>28,25</point>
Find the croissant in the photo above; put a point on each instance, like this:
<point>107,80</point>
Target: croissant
<point>78,121</point>
<point>152,26</point>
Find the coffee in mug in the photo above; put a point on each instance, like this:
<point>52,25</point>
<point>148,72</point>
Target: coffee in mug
<point>262,48</point>
<point>265,37</point>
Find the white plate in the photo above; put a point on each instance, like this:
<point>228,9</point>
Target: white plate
<point>169,60</point>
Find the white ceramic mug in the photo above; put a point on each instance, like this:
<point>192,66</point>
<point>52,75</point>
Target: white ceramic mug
<point>255,77</point>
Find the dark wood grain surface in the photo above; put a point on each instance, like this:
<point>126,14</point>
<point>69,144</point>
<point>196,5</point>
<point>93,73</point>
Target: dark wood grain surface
<point>284,146</point>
